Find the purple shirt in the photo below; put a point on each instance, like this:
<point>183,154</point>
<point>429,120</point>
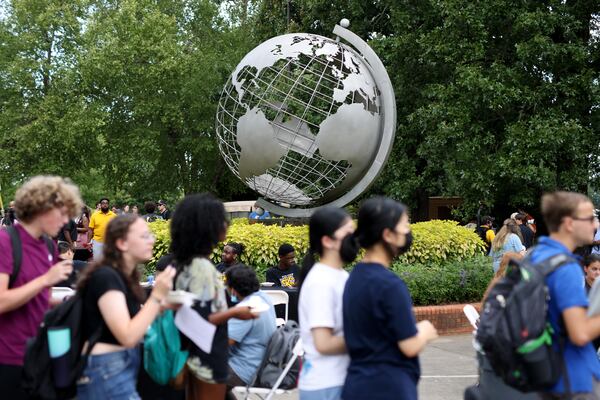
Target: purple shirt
<point>18,325</point>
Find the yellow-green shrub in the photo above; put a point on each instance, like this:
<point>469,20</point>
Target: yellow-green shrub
<point>434,242</point>
<point>438,241</point>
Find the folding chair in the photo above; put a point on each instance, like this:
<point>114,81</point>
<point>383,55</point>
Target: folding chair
<point>260,393</point>
<point>279,297</point>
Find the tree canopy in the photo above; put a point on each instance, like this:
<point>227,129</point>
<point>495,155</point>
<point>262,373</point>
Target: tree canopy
<point>497,101</point>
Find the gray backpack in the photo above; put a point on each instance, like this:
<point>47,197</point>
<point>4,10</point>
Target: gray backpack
<point>279,352</point>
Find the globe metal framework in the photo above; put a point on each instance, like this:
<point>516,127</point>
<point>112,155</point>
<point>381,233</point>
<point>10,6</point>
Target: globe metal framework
<point>307,120</point>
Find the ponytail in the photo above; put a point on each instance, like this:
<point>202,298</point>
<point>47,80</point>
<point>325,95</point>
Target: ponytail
<point>307,263</point>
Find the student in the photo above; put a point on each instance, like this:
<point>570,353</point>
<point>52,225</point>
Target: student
<point>570,221</point>
<point>286,273</point>
<point>507,240</point>
<point>592,270</point>
<point>42,205</point>
<point>66,253</point>
<point>320,305</point>
<point>112,299</point>
<point>231,256</point>
<point>380,331</point>
<point>197,226</point>
<point>248,339</point>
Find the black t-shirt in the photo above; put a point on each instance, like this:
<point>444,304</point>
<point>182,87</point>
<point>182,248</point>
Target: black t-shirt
<point>287,278</point>
<point>166,215</point>
<point>527,234</point>
<point>70,227</point>
<point>103,280</point>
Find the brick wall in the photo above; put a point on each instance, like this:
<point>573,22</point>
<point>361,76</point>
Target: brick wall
<point>448,320</point>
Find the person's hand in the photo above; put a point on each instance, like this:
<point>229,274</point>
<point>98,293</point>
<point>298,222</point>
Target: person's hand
<point>58,272</point>
<point>427,329</point>
<point>243,313</point>
<point>163,283</point>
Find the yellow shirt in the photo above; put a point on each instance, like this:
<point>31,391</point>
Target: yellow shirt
<point>98,223</point>
<point>490,235</point>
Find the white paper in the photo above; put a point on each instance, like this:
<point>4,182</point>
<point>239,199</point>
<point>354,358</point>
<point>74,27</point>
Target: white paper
<point>196,328</point>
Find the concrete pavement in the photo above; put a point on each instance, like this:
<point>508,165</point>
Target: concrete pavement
<point>448,366</point>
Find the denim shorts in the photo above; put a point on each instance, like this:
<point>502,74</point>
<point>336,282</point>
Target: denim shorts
<point>110,376</point>
<point>332,393</point>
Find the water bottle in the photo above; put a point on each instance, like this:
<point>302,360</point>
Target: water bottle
<point>151,280</point>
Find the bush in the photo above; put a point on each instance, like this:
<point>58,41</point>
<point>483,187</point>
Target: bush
<point>448,282</point>
<point>437,241</point>
<point>436,244</point>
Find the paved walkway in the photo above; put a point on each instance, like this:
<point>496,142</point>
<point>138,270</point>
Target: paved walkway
<point>448,366</point>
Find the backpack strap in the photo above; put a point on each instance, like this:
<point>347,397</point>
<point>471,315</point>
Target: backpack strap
<point>548,266</point>
<point>17,253</point>
<point>551,264</point>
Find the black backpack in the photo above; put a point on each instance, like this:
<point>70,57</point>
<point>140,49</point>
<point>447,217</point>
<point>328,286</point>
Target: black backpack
<point>38,380</point>
<point>514,332</point>
<point>17,252</point>
<point>279,352</point>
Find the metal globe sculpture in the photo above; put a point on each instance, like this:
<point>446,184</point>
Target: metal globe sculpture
<point>307,121</point>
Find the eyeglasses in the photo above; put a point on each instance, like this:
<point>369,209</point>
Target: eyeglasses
<point>588,219</point>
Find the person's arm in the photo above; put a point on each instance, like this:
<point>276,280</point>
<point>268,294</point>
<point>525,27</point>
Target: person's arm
<point>68,238</point>
<point>581,328</point>
<point>92,226</point>
<point>326,342</point>
<point>412,346</point>
<point>221,317</point>
<point>113,307</point>
<point>11,299</point>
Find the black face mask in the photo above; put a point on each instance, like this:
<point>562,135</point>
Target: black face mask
<point>349,248</point>
<point>406,247</point>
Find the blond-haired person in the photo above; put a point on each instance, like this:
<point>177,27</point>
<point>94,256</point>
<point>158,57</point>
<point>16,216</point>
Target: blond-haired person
<point>42,205</point>
<point>508,239</point>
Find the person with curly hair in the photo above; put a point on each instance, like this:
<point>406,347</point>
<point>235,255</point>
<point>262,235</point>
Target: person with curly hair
<point>42,206</point>
<point>197,227</point>
<point>248,339</point>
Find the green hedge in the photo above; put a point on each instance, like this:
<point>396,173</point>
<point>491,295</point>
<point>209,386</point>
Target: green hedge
<point>444,265</point>
<point>448,282</point>
<point>434,242</point>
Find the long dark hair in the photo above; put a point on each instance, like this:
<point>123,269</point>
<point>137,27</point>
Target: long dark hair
<point>197,226</point>
<point>117,228</point>
<point>324,222</point>
<point>374,216</point>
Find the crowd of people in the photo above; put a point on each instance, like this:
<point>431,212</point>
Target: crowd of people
<point>359,333</point>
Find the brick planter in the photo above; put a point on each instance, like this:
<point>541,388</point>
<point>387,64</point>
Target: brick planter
<point>448,320</point>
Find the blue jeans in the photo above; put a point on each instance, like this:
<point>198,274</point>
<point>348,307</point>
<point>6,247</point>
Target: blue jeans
<point>110,376</point>
<point>332,393</point>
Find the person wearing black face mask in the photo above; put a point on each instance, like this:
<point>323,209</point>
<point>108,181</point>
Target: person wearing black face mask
<point>320,306</point>
<point>381,334</point>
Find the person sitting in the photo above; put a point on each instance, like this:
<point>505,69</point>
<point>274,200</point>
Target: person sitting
<point>231,254</point>
<point>287,272</point>
<point>259,213</point>
<point>65,252</point>
<point>248,339</point>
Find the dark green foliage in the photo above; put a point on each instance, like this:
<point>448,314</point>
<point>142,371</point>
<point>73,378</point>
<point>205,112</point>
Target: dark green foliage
<point>449,282</point>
